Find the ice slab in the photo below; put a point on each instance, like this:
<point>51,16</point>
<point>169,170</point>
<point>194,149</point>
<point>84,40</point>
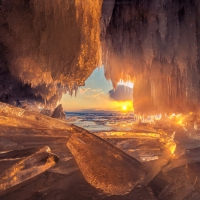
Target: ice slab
<point>156,165</point>
<point>157,184</point>
<point>18,153</point>
<point>191,156</point>
<point>193,172</point>
<point>128,134</point>
<point>8,145</point>
<point>10,132</point>
<point>27,168</point>
<point>9,158</point>
<point>65,166</point>
<point>15,116</point>
<point>103,165</point>
<point>179,188</point>
<point>143,150</point>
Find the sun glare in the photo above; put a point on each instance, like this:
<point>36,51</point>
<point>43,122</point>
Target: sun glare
<point>124,107</point>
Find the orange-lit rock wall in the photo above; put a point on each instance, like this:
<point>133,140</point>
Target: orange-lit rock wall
<point>156,45</point>
<point>51,46</point>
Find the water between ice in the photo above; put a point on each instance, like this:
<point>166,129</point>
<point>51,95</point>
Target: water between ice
<point>106,121</point>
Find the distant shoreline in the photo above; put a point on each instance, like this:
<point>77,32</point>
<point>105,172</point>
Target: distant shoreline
<point>99,111</point>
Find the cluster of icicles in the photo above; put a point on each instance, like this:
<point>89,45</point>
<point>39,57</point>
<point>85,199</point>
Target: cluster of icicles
<point>153,43</point>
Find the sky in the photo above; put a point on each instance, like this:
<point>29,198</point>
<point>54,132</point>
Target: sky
<point>94,96</point>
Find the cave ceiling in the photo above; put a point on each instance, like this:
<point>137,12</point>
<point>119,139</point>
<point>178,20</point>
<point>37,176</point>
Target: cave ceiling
<point>49,47</point>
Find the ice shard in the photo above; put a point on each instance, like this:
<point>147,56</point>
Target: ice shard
<point>18,153</point>
<point>27,168</point>
<point>143,150</point>
<point>192,170</point>
<point>191,156</point>
<point>156,166</point>
<point>103,165</point>
<point>180,187</point>
<point>8,145</point>
<point>14,116</point>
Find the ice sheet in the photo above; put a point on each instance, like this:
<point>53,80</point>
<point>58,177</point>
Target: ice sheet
<point>103,165</point>
<point>27,168</point>
<point>13,116</point>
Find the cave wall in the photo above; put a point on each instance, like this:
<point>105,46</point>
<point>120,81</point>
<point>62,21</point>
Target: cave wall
<point>156,45</point>
<point>47,47</point>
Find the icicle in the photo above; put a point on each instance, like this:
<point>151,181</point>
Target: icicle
<point>155,32</point>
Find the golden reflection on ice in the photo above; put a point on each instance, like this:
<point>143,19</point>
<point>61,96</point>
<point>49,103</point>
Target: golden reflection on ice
<point>116,134</point>
<point>28,168</point>
<point>103,165</point>
<point>177,119</point>
<point>171,145</point>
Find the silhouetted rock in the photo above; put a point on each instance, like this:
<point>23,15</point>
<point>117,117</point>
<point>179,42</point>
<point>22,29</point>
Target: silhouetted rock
<point>18,104</point>
<point>58,112</point>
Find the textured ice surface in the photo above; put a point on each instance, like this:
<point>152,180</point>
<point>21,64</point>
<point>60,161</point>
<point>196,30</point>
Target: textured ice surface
<point>95,169</point>
<point>14,116</point>
<point>190,156</point>
<point>8,145</point>
<point>27,168</point>
<point>179,187</point>
<point>103,165</point>
<point>142,149</point>
<point>157,165</point>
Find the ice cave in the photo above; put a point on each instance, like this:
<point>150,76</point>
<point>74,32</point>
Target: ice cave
<point>49,48</point>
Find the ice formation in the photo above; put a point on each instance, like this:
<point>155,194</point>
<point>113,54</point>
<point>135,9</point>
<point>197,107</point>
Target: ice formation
<point>91,167</point>
<point>156,45</point>
<point>8,145</point>
<point>104,166</point>
<point>47,47</point>
<point>15,117</point>
<point>27,168</point>
<point>50,47</point>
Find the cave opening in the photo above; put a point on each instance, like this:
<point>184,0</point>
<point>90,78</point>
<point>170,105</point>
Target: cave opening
<point>72,129</point>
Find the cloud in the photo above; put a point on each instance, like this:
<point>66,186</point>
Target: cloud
<point>96,90</point>
<point>128,83</point>
<point>96,95</point>
<point>121,93</point>
<point>83,90</point>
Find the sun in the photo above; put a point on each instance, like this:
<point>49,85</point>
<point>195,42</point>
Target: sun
<point>124,107</point>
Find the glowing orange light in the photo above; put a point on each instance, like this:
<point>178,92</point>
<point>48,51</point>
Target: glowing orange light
<point>180,122</point>
<point>124,107</point>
